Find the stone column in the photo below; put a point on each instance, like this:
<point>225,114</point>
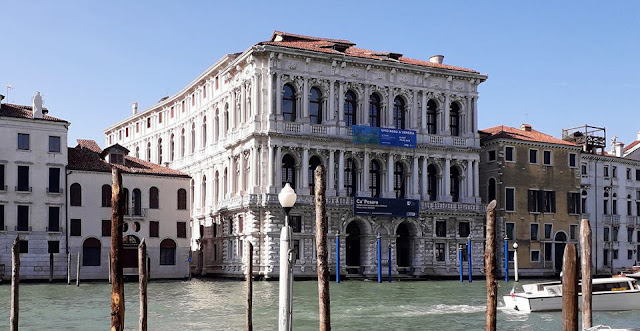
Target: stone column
<point>278,168</point>
<point>331,169</point>
<point>255,95</point>
<point>389,117</point>
<point>414,177</point>
<point>390,181</point>
<point>423,113</point>
<point>232,176</point>
<point>364,114</point>
<point>232,111</point>
<point>414,112</point>
<point>341,190</point>
<point>474,121</point>
<point>256,169</point>
<point>365,175</point>
<point>446,178</point>
<point>240,179</point>
<point>424,186</point>
<point>476,181</point>
<point>243,103</point>
<point>305,99</point>
<point>446,120</point>
<point>470,178</point>
<point>331,101</point>
<point>277,96</point>
<point>340,104</point>
<point>270,165</point>
<point>304,172</point>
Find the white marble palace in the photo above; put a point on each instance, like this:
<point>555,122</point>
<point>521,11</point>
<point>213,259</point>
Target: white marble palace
<point>269,115</point>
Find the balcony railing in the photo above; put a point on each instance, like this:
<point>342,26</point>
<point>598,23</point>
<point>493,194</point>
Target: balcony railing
<point>55,229</point>
<point>613,219</point>
<point>318,129</point>
<point>292,127</point>
<point>55,190</point>
<point>136,212</point>
<point>459,142</point>
<point>4,188</point>
<point>633,220</point>
<point>23,228</point>
<point>23,188</point>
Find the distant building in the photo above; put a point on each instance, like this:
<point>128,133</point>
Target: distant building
<point>33,158</point>
<point>268,116</point>
<point>156,209</point>
<point>535,180</point>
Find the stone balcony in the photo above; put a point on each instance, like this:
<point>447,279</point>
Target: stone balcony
<point>611,219</point>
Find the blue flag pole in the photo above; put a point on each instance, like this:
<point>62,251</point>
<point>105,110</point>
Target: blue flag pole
<point>337,257</point>
<point>460,260</point>
<point>389,263</point>
<point>469,253</point>
<point>506,259</point>
<point>379,260</point>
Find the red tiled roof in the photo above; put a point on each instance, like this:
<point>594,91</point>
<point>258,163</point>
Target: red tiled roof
<point>325,45</point>
<point>631,145</point>
<point>506,132</point>
<point>22,111</point>
<point>85,157</point>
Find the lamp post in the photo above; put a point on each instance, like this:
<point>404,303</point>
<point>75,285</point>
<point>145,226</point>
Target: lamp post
<point>515,260</point>
<point>287,198</point>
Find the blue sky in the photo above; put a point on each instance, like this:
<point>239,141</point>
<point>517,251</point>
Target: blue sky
<point>551,64</point>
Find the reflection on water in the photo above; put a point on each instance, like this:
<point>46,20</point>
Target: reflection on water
<point>219,305</point>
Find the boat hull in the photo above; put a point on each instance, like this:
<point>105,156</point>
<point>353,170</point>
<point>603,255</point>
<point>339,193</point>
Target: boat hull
<point>609,301</point>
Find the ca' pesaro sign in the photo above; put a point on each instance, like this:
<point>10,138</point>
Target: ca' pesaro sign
<point>386,207</point>
<point>368,135</point>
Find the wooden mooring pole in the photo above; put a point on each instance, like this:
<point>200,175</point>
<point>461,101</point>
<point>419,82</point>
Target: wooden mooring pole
<point>50,268</point>
<point>117,282</point>
<point>490,268</point>
<point>585,256</point>
<point>570,289</point>
<point>142,278</point>
<point>68,268</point>
<point>15,284</point>
<point>78,271</point>
<point>249,324</point>
<point>322,251</point>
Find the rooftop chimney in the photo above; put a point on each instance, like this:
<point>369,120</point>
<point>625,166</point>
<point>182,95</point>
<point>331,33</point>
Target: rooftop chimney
<point>637,138</point>
<point>134,108</point>
<point>436,59</point>
<point>618,148</point>
<point>37,105</point>
<point>525,127</point>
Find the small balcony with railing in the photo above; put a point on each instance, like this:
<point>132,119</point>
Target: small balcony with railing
<point>611,219</point>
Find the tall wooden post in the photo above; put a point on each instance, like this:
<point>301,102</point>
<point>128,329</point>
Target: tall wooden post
<point>117,283</point>
<point>50,268</point>
<point>490,268</point>
<point>570,289</point>
<point>322,251</point>
<point>142,278</point>
<point>15,284</point>
<point>249,326</point>
<point>78,270</point>
<point>68,268</point>
<point>585,250</point>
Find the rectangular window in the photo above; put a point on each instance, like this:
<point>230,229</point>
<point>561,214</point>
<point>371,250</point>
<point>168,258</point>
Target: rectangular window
<point>614,172</point>
<point>548,230</point>
<point>137,127</point>
<point>464,229</point>
<point>573,160</point>
<point>296,223</point>
<point>546,158</point>
<point>54,180</point>
<point>172,111</point>
<point>629,254</point>
<point>159,117</point>
<point>76,227</point>
<point>24,247</point>
<point>148,122</point>
<point>204,92</point>
<point>491,155</point>
<point>23,218</point>
<point>106,228</point>
<point>534,228</point>
<point>53,247</point>
<point>614,233</point>
<point>154,229</point>
<point>510,199</point>
<point>638,255</point>
<point>510,230</point>
<point>193,99</point>
<point>217,83</point>
<point>54,144</point>
<point>573,231</point>
<point>535,201</point>
<point>23,141</point>
<point>510,253</point>
<point>583,169</point>
<point>605,234</point>
<point>573,202</point>
<point>535,256</point>
<point>182,106</point>
<point>628,173</point>
<point>549,201</point>
<point>548,251</point>
<point>508,154</point>
<point>615,254</point>
<point>605,171</point>
<point>605,257</point>
<point>440,252</point>
<point>182,229</point>
<point>2,184</point>
<point>441,228</point>
<point>2,218</point>
<point>533,156</point>
<point>54,219</point>
<point>296,250</point>
<point>629,234</point>
<point>637,174</point>
<point>23,179</point>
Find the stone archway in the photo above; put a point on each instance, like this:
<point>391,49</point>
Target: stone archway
<point>130,251</point>
<point>353,249</point>
<point>405,235</point>
<point>560,241</point>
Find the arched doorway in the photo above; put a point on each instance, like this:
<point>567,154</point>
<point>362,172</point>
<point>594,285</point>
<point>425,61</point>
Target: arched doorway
<point>560,242</point>
<point>137,202</point>
<point>130,251</point>
<point>353,247</point>
<point>404,242</point>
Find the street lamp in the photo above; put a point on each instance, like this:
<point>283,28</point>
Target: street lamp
<point>287,198</point>
<point>515,260</point>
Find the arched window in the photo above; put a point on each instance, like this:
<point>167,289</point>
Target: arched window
<point>374,110</point>
<point>315,106</point>
<point>236,167</point>
<point>398,180</point>
<point>432,181</point>
<point>137,202</point>
<point>216,185</point>
<point>154,198</point>
<point>75,194</point>
<point>398,113</point>
<point>106,195</point>
<point>492,190</point>
<point>606,203</point>
<point>225,183</point>
<point>350,175</point>
<point>289,103</point>
<point>91,252</point>
<point>314,161</point>
<point>160,151</point>
<point>350,104</point>
<point>216,125</point>
<point>192,188</point>
<point>167,252</point>
<point>374,179</point>
<point>182,143</point>
<point>193,138</point>
<point>614,204</point>
<point>432,114</point>
<point>455,184</point>
<point>172,146</point>
<point>454,119</point>
<point>226,119</point>
<point>204,132</point>
<point>288,170</point>
<point>182,199</point>
<point>137,152</point>
<point>203,192</point>
<point>149,152</point>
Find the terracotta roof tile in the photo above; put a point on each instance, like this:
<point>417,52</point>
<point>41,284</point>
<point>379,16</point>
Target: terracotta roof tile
<point>22,111</point>
<point>506,132</point>
<point>631,145</point>
<point>85,157</point>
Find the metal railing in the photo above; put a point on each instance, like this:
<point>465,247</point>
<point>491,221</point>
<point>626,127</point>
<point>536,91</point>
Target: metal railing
<point>23,189</point>
<point>23,228</point>
<point>55,190</point>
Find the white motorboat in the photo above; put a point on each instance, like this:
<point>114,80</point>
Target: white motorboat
<point>613,294</point>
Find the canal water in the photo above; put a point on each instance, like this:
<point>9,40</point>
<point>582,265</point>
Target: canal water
<point>219,305</point>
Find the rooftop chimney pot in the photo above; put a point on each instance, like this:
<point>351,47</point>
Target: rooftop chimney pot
<point>526,127</point>
<point>134,108</point>
<point>436,59</point>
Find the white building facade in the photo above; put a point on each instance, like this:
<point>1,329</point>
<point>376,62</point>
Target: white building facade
<point>156,210</point>
<point>267,116</point>
<point>33,158</point>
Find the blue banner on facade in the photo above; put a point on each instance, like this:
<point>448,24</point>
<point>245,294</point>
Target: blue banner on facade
<point>386,207</point>
<point>363,134</point>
